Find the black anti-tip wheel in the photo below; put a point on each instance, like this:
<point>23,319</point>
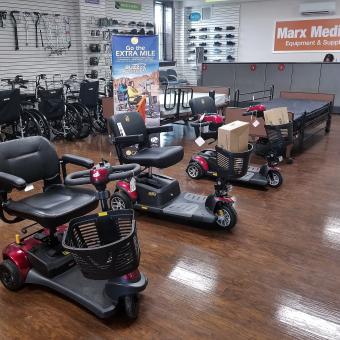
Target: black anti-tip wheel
<point>226,216</point>
<point>274,178</point>
<point>131,306</point>
<point>10,275</point>
<point>195,171</point>
<point>119,201</point>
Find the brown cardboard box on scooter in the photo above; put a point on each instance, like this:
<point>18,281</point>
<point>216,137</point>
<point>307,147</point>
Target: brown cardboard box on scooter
<point>234,136</point>
<point>277,116</point>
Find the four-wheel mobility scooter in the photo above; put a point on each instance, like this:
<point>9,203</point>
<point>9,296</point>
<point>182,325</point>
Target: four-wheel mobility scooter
<point>94,261</point>
<point>205,162</point>
<point>160,194</point>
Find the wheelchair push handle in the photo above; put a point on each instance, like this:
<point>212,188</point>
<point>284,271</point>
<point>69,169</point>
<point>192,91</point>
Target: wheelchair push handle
<point>102,174</point>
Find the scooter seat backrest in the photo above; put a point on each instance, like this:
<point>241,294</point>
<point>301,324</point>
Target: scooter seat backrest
<point>31,158</point>
<point>10,108</point>
<point>202,105</point>
<point>127,124</point>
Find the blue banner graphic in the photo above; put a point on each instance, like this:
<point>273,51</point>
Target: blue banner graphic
<point>135,74</point>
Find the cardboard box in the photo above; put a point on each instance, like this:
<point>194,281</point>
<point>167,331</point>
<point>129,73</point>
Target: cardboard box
<point>277,116</point>
<point>234,136</point>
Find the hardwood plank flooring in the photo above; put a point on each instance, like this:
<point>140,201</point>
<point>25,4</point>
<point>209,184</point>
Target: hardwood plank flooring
<point>276,276</point>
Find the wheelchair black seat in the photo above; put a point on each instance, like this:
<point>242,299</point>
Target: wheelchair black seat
<point>28,160</point>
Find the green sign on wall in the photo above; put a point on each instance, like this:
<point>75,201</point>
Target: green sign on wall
<point>133,6</point>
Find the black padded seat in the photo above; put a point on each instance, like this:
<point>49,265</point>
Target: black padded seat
<point>157,157</point>
<point>54,207</point>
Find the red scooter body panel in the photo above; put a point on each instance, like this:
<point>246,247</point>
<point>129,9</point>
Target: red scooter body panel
<point>217,119</point>
<point>259,108</point>
<point>202,162</point>
<point>125,186</point>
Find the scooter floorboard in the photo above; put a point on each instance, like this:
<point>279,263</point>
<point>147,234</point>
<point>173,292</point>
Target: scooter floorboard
<point>252,177</point>
<point>73,284</point>
<point>187,205</point>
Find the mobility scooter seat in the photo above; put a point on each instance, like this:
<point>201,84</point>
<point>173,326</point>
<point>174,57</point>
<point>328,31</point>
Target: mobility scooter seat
<point>158,157</point>
<point>57,205</point>
<point>129,129</point>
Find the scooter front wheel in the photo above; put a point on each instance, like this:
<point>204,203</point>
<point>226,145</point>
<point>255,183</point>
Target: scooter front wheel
<point>131,306</point>
<point>226,216</point>
<point>10,275</point>
<point>274,178</point>
<point>120,201</point>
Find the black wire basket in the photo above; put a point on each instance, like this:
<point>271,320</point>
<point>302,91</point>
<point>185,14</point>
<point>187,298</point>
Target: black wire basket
<point>104,245</point>
<point>232,165</point>
<point>279,136</point>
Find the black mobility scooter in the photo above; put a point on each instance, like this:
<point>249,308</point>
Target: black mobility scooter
<point>160,194</point>
<point>204,163</point>
<point>94,260</point>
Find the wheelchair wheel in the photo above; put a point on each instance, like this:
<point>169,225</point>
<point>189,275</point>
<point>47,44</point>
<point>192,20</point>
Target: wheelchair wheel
<point>85,118</point>
<point>10,275</point>
<point>226,216</point>
<point>43,123</point>
<point>30,126</point>
<point>131,306</point>
<point>72,124</point>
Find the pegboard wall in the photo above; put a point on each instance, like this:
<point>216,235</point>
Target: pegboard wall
<point>218,35</point>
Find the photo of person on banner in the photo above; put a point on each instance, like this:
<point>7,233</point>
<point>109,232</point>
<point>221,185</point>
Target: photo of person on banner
<point>135,74</point>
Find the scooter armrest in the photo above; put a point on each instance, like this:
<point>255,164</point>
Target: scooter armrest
<point>77,160</point>
<point>128,140</point>
<point>198,124</point>
<point>159,129</point>
<point>8,182</point>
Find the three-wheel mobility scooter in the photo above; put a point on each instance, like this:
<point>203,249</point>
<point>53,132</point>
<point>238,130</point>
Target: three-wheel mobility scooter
<point>160,194</point>
<point>94,261</point>
<point>204,163</point>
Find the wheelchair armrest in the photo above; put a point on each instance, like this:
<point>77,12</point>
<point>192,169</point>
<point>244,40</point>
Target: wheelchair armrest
<point>8,182</point>
<point>128,140</point>
<point>77,160</point>
<point>159,129</point>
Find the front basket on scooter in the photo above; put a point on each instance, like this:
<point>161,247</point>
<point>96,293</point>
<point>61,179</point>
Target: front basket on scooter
<point>232,165</point>
<point>104,245</point>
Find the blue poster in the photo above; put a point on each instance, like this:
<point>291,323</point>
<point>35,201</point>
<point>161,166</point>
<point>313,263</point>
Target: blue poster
<point>135,74</point>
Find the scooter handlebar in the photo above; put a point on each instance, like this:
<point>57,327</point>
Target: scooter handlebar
<point>115,173</point>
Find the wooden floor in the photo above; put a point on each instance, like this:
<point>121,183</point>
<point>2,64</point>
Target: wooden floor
<point>276,276</point>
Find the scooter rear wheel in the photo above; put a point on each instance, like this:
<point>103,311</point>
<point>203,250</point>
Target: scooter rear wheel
<point>10,275</point>
<point>226,216</point>
<point>119,201</point>
<point>131,306</point>
<point>194,170</point>
<point>274,178</point>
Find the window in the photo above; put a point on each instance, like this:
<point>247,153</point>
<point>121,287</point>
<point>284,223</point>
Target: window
<point>164,26</point>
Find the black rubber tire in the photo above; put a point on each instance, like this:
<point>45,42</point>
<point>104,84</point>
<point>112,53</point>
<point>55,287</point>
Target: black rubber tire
<point>30,125</point>
<point>10,275</point>
<point>229,209</point>
<point>197,169</point>
<point>73,124</point>
<point>123,198</point>
<point>279,179</point>
<point>43,123</point>
<point>131,306</point>
<point>85,119</point>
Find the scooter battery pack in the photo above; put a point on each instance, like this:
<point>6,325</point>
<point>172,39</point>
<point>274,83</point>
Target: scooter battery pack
<point>157,191</point>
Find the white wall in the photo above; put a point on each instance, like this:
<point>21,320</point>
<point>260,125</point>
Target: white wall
<point>257,25</point>
<point>29,60</point>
